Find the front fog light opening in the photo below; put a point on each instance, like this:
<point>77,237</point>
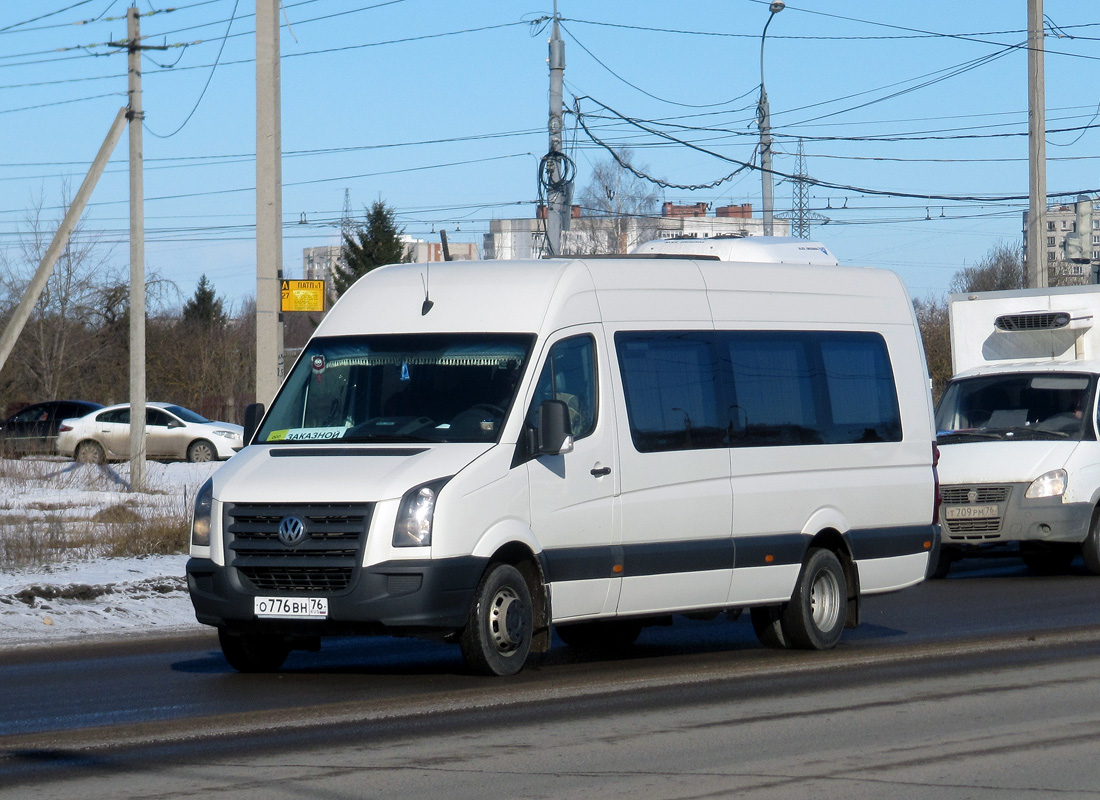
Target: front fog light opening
<point>415,515</point>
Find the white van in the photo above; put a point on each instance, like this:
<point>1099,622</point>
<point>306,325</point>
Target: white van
<point>1018,428</point>
<point>478,451</point>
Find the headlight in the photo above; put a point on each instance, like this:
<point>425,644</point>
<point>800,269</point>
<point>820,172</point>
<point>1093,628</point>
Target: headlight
<point>414,516</point>
<point>228,434</point>
<point>200,519</point>
<point>1053,484</point>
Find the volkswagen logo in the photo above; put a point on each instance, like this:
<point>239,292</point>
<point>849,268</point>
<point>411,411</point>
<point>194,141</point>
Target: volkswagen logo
<point>292,531</point>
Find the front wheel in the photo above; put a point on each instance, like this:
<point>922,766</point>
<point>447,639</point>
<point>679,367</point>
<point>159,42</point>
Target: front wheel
<point>1090,548</point>
<point>814,619</point>
<point>253,652</point>
<point>201,451</point>
<point>497,636</point>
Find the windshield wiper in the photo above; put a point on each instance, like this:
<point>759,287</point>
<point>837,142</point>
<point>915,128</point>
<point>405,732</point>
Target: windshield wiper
<point>974,434</point>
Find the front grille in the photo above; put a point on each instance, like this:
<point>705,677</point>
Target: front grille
<point>325,561</point>
<point>973,530</point>
<point>959,495</point>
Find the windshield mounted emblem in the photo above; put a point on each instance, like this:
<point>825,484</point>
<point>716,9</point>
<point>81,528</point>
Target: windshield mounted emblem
<point>292,531</point>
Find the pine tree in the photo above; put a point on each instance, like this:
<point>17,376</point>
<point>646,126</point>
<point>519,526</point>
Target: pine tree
<point>374,244</point>
<point>204,308</point>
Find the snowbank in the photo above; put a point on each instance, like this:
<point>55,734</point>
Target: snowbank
<point>76,598</point>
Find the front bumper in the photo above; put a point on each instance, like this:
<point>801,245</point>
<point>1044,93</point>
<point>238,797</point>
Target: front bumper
<point>1018,519</point>
<point>421,597</point>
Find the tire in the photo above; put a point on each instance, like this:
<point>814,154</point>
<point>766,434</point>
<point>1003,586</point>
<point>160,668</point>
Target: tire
<point>201,451</point>
<point>90,452</point>
<point>253,652</point>
<point>1090,548</point>
<point>497,636</point>
<point>814,619</point>
<point>601,637</point>
<point>768,626</point>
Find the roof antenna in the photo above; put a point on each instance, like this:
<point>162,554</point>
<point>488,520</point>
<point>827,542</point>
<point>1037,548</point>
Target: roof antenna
<point>427,304</point>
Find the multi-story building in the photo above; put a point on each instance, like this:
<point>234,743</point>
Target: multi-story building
<point>1062,220</point>
<point>594,235</point>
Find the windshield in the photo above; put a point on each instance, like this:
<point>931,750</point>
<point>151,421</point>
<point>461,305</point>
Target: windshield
<point>1017,406</point>
<point>399,388</point>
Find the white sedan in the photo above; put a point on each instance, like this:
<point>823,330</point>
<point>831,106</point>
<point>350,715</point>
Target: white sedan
<point>171,433</point>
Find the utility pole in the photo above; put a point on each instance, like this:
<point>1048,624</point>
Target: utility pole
<point>269,204</point>
<point>1037,148</point>
<point>763,119</point>
<point>137,253</point>
<point>559,195</point>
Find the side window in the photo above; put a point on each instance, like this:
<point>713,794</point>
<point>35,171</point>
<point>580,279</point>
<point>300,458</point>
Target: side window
<point>801,387</point>
<point>121,415</point>
<point>569,374</point>
<point>670,379</point>
<point>32,414</point>
<point>154,416</point>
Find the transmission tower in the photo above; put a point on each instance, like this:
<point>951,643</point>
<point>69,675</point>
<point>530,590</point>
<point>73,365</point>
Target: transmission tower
<point>800,215</point>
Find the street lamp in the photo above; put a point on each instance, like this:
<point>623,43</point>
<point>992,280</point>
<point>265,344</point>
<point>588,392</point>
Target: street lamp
<point>764,121</point>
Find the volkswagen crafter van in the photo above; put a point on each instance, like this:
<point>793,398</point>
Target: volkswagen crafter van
<point>481,451</point>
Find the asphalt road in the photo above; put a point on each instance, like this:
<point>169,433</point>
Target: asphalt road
<point>942,684</point>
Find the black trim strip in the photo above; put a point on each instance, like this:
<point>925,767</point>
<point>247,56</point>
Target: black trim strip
<point>867,543</point>
<point>742,552</point>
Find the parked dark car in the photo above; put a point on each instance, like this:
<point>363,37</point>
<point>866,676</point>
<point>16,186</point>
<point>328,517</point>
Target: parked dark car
<point>34,428</point>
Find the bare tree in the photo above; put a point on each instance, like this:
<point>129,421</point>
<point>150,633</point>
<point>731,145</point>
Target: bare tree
<point>618,209</point>
<point>58,344</point>
<point>1001,268</point>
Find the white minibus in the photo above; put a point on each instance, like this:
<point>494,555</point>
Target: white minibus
<point>481,452</point>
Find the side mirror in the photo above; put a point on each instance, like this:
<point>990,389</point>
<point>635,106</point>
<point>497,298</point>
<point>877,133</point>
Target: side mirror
<point>253,413</point>
<point>554,436</point>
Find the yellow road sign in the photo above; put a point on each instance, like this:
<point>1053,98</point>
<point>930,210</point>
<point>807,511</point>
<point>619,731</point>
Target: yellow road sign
<point>303,296</point>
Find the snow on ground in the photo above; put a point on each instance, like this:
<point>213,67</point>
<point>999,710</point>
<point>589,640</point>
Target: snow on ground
<point>84,595</point>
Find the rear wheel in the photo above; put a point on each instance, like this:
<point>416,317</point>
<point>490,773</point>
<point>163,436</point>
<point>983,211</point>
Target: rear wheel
<point>253,652</point>
<point>90,453</point>
<point>201,451</point>
<point>497,636</point>
<point>601,637</point>
<point>814,619</point>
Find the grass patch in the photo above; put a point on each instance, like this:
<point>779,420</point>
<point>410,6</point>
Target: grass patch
<point>143,523</point>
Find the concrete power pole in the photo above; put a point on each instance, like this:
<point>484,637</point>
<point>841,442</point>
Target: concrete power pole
<point>137,255</point>
<point>559,194</point>
<point>1037,148</point>
<point>269,204</point>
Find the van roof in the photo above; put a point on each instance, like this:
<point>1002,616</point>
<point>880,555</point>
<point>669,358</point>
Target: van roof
<point>539,295</point>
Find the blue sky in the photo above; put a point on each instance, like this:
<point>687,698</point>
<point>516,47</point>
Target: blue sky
<point>439,108</point>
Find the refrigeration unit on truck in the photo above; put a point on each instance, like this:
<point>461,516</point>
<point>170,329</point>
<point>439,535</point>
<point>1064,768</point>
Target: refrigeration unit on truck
<point>481,451</point>
<point>1017,428</point>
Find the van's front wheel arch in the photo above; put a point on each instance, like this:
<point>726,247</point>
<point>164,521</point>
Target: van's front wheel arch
<point>500,628</point>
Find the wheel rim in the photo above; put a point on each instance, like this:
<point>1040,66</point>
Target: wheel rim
<point>507,623</point>
<point>825,601</point>
<point>201,453</point>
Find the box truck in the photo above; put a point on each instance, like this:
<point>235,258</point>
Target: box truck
<point>1017,428</point>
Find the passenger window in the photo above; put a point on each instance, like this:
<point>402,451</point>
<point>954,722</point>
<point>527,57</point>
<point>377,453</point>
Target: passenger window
<point>153,417</point>
<point>569,375</point>
<point>670,381</point>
